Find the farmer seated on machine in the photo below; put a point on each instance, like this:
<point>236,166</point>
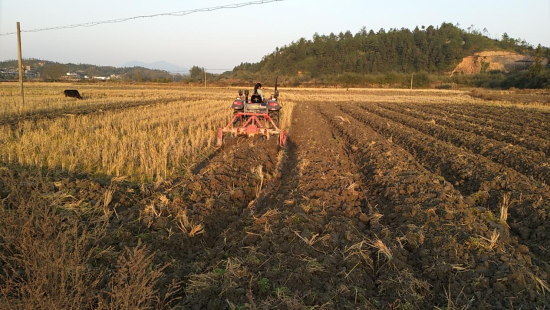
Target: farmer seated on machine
<point>257,96</point>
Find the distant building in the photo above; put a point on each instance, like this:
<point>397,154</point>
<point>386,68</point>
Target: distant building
<point>13,74</point>
<point>31,73</point>
<point>74,76</point>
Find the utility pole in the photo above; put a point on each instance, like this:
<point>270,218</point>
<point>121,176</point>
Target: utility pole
<point>20,63</point>
<point>204,77</point>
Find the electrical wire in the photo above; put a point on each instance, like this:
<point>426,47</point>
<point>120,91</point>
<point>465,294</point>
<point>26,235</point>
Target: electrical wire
<point>121,20</point>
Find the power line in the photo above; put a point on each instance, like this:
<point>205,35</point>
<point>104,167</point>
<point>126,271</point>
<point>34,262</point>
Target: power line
<point>121,20</point>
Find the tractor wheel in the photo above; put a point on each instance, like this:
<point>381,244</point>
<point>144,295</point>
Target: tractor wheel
<point>275,117</point>
<point>237,122</point>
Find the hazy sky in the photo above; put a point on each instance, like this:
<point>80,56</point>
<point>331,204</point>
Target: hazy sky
<point>223,39</point>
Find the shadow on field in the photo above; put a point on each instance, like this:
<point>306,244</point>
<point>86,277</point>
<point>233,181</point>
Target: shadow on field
<point>53,231</point>
<point>275,192</point>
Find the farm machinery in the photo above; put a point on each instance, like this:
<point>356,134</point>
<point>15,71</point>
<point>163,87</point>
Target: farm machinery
<point>254,117</point>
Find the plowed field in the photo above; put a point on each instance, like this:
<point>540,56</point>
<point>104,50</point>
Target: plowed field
<point>371,206</point>
<point>374,203</point>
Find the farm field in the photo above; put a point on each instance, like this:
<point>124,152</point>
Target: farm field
<point>382,199</point>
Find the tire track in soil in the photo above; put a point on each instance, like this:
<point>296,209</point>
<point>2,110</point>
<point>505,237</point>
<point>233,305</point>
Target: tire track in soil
<point>482,182</point>
<point>445,257</point>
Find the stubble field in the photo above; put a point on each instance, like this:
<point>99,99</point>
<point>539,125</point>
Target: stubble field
<point>390,199</point>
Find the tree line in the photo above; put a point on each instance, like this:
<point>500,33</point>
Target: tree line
<point>366,58</point>
<point>52,71</point>
<point>368,55</point>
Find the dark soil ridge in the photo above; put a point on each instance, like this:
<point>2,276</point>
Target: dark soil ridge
<point>528,96</point>
<point>447,224</point>
<point>527,118</point>
<point>481,182</point>
<point>482,127</point>
<point>530,163</point>
<point>517,121</point>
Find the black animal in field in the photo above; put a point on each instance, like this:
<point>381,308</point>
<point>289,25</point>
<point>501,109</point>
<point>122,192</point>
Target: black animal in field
<point>73,93</point>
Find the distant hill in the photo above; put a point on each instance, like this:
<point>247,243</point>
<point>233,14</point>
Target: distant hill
<point>49,70</point>
<point>429,49</point>
<point>159,65</point>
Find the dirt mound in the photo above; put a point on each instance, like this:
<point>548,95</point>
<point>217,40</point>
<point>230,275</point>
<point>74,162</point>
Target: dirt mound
<point>494,60</point>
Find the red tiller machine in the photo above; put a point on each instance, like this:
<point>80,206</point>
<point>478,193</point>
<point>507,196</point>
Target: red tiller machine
<point>254,117</point>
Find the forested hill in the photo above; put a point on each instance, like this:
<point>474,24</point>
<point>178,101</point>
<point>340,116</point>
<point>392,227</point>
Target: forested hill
<point>429,49</point>
<point>52,71</point>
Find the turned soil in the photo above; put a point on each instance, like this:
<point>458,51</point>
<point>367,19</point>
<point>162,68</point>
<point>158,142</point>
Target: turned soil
<point>370,205</point>
<point>366,207</point>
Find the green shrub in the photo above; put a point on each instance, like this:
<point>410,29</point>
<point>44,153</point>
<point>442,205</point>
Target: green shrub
<point>263,284</point>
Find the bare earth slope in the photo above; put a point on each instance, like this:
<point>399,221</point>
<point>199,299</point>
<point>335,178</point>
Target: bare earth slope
<point>494,60</point>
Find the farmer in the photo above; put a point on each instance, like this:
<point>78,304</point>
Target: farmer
<point>258,91</point>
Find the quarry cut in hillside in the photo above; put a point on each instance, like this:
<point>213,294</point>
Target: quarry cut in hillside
<point>494,60</point>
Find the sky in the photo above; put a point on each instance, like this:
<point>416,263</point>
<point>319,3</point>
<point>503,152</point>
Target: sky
<point>224,38</point>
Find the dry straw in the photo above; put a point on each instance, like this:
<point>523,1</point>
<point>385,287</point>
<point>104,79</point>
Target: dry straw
<point>149,134</point>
